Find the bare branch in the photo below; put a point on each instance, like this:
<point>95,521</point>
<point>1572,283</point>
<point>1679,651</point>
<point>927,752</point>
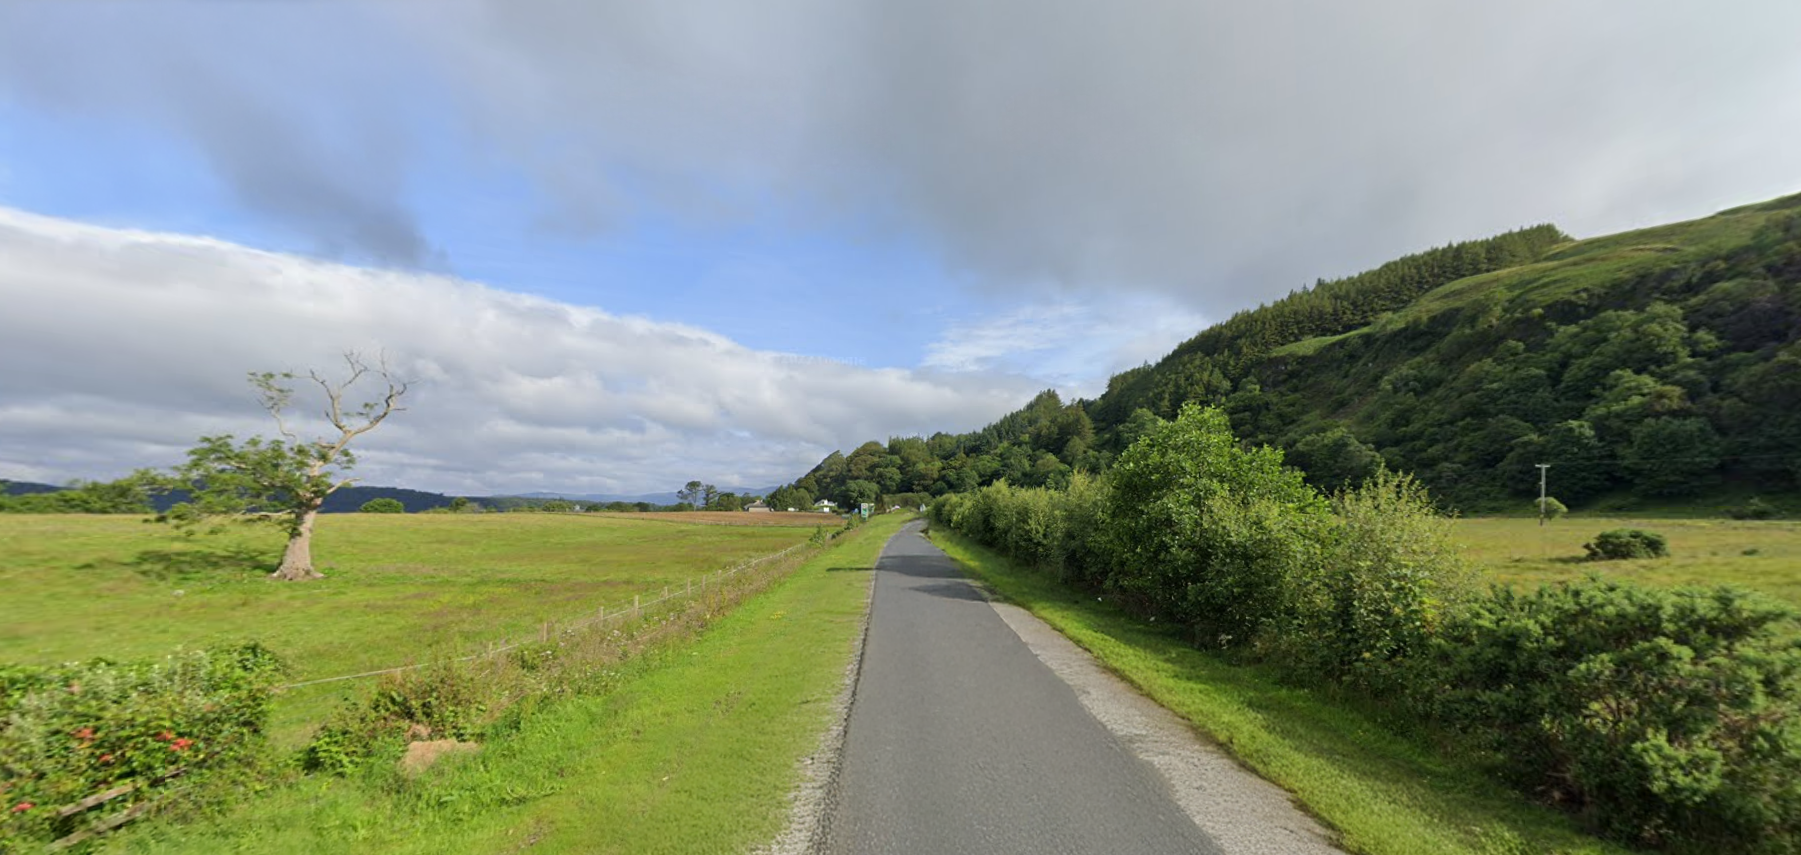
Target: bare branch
<point>275,398</point>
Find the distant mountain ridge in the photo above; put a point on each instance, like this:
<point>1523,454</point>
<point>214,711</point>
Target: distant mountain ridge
<point>25,488</point>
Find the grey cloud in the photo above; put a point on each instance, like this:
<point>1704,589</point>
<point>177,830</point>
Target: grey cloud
<point>289,104</point>
<point>1222,152</point>
<point>123,347</point>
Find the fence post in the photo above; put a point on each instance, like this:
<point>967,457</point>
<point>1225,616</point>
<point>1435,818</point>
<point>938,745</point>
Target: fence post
<point>635,612</point>
<point>544,632</point>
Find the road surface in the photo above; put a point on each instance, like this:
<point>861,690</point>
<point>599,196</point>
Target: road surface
<point>960,739</point>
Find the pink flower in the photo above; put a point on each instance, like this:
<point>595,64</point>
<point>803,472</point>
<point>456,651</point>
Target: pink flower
<point>165,736</point>
<point>85,733</point>
<point>22,807</point>
<point>106,758</point>
<point>181,744</point>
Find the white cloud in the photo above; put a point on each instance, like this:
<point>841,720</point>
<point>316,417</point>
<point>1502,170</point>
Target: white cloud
<point>1075,342</point>
<point>122,347</point>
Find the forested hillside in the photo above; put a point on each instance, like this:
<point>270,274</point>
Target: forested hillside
<point>1651,366</point>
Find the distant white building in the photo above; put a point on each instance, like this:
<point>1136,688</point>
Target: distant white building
<point>758,506</point>
<point>825,504</point>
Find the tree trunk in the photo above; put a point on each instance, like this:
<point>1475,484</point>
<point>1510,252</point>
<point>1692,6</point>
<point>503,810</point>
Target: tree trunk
<point>297,561</point>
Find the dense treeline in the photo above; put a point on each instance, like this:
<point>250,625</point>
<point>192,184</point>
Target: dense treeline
<point>1209,365</point>
<point>124,496</point>
<point>1661,717</point>
<point>1659,365</point>
<point>1040,445</point>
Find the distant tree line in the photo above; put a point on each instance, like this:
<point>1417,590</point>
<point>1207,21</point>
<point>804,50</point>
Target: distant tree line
<point>124,496</point>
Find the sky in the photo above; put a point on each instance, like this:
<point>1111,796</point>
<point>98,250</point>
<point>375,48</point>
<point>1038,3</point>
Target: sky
<point>617,246</point>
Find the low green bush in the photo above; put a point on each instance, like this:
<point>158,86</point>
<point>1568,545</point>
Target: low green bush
<point>442,701</point>
<point>1625,543</point>
<point>1753,509</point>
<point>1209,533</point>
<point>1389,571</point>
<point>1661,716</point>
<point>383,505</point>
<point>72,731</point>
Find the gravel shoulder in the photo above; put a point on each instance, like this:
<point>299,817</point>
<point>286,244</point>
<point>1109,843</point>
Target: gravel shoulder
<point>1242,813</point>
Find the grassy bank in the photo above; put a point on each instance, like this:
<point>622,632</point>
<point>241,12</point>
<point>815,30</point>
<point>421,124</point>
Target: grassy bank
<point>397,589</point>
<point>1764,556</point>
<point>1383,793</point>
<point>694,749</point>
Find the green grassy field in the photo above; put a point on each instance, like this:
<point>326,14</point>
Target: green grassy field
<point>1765,556</point>
<point>397,588</point>
<point>695,750</point>
<point>1384,794</point>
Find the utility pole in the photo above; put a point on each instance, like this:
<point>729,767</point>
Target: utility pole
<point>1543,469</point>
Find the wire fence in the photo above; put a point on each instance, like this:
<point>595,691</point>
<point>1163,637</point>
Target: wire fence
<point>599,616</point>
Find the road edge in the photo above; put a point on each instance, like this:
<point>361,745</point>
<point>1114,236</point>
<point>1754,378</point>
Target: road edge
<point>1232,804</point>
<point>810,801</point>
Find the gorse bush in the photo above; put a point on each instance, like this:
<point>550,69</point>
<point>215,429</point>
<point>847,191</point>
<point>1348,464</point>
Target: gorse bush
<point>1661,715</point>
<point>1624,543</point>
<point>1754,508</point>
<point>73,731</point>
<point>1388,572</point>
<point>1087,556</point>
<point>1207,533</point>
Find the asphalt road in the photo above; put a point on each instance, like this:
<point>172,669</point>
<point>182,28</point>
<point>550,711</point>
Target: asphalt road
<point>961,740</point>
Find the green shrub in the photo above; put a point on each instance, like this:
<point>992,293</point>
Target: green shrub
<point>440,701</point>
<point>72,731</point>
<point>944,509</point>
<point>1661,716</point>
<point>1208,533</point>
<point>1754,508</point>
<point>1087,558</point>
<point>1388,570</point>
<point>383,505</point>
<point>1624,543</point>
<point>1552,509</point>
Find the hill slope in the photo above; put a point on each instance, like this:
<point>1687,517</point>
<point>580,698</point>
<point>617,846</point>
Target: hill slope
<point>1662,364</point>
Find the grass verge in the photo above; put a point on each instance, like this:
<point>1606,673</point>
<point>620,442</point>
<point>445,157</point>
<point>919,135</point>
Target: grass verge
<point>1384,793</point>
<point>694,748</point>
